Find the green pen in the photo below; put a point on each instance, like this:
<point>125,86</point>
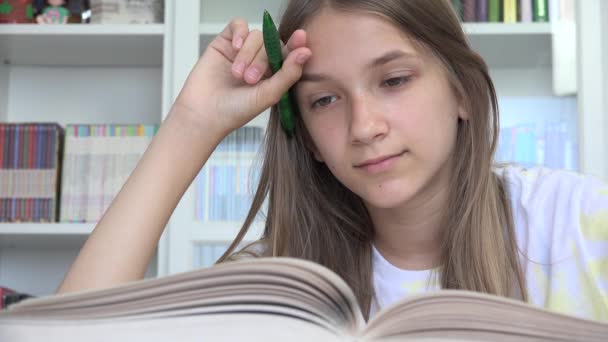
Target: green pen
<point>272,43</point>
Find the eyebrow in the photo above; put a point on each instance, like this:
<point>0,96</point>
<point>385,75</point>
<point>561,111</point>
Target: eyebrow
<point>376,62</point>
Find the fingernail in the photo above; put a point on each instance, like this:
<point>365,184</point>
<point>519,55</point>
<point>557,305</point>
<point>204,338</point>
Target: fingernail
<point>238,42</point>
<point>239,68</point>
<point>253,74</point>
<point>302,58</point>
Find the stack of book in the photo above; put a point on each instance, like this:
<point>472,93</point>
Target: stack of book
<point>505,11</point>
<point>530,145</point>
<point>29,170</point>
<point>127,11</point>
<point>225,185</point>
<point>97,161</point>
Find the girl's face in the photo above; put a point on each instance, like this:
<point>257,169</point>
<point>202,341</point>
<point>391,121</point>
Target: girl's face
<point>381,114</point>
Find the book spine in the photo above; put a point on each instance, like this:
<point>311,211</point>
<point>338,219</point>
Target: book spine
<point>457,5</point>
<point>540,11</point>
<point>469,10</point>
<point>554,9</point>
<point>25,165</point>
<point>2,184</point>
<point>510,11</point>
<point>525,7</point>
<point>482,10</point>
<point>14,168</point>
<point>494,11</point>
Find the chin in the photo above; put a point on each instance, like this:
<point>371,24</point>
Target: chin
<point>388,196</point>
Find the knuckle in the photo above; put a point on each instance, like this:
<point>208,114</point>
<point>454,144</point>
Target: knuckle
<point>256,33</point>
<point>238,21</point>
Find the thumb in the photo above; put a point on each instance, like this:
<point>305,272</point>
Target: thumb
<point>271,89</point>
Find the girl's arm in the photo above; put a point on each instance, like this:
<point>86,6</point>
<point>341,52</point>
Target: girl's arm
<point>216,99</point>
<point>123,242</point>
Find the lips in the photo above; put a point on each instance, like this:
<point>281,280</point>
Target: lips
<point>378,160</point>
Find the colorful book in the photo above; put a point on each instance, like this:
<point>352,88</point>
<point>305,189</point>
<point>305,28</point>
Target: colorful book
<point>469,10</point>
<point>482,10</point>
<point>509,11</point>
<point>29,171</point>
<point>97,161</point>
<point>225,185</point>
<point>540,11</point>
<point>458,8</point>
<point>525,10</point>
<point>494,11</point>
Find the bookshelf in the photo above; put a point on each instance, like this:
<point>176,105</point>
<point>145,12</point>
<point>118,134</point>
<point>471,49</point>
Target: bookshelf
<point>82,45</point>
<point>132,74</point>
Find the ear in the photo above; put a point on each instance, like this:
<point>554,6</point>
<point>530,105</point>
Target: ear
<point>462,114</point>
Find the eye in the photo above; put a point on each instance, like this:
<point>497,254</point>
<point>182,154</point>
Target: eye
<point>322,102</point>
<point>396,81</point>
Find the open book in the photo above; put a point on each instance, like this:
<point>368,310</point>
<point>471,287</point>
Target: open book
<point>277,299</point>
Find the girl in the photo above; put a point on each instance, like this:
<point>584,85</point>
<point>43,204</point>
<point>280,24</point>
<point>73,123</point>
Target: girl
<point>388,180</point>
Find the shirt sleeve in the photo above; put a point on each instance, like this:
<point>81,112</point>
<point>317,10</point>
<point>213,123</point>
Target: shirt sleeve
<point>561,224</point>
<point>579,262</point>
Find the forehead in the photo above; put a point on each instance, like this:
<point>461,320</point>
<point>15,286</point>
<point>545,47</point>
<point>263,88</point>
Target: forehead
<point>338,38</point>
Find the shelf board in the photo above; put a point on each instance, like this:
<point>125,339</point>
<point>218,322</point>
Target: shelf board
<point>82,44</point>
<point>44,235</point>
<point>84,29</point>
<point>501,29</point>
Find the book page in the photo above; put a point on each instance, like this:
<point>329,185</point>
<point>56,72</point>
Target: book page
<point>471,315</point>
<point>196,328</point>
<point>269,283</point>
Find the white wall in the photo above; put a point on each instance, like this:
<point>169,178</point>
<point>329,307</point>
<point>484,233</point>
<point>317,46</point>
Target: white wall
<point>40,269</point>
<point>130,94</point>
<point>593,106</point>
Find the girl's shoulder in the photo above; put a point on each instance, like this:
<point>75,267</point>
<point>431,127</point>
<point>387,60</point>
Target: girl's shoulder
<point>546,185</point>
<point>557,202</point>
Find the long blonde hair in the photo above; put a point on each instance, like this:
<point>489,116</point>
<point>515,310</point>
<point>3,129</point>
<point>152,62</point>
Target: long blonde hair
<point>311,215</point>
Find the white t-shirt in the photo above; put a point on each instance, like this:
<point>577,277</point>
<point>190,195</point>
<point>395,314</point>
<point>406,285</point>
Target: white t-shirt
<point>561,224</point>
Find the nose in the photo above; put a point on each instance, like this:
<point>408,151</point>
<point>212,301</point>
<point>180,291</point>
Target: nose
<point>367,122</point>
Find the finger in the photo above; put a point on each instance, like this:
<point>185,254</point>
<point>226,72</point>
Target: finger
<point>243,59</point>
<point>259,67</point>
<point>236,32</point>
<point>297,40</point>
<point>271,90</point>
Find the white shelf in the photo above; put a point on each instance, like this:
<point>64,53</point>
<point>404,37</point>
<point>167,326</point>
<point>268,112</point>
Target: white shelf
<point>501,29</point>
<point>44,235</point>
<point>84,29</point>
<point>82,44</point>
<point>507,46</point>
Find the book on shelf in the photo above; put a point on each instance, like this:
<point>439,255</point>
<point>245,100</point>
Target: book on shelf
<point>29,171</point>
<point>97,160</point>
<point>278,299</point>
<point>225,185</point>
<point>508,11</point>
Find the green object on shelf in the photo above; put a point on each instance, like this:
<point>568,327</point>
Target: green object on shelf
<point>29,11</point>
<point>457,4</point>
<point>272,43</point>
<point>540,11</point>
<point>5,8</point>
<point>494,11</point>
